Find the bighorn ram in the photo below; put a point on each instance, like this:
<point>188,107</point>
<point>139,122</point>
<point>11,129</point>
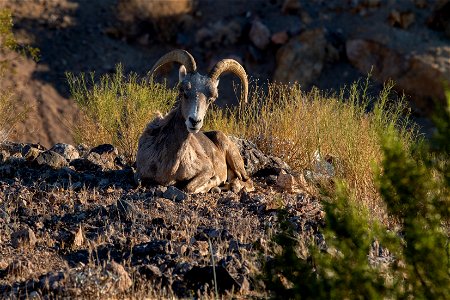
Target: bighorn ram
<point>173,151</point>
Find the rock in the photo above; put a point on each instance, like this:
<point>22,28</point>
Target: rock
<point>30,153</point>
<point>286,181</point>
<point>105,149</point>
<point>199,276</point>
<point>302,58</point>
<point>127,211</point>
<point>83,149</point>
<point>440,18</point>
<point>323,168</point>
<point>103,156</point>
<point>420,3</point>
<point>291,7</point>
<point>148,10</point>
<point>219,34</point>
<point>95,162</point>
<point>256,162</point>
<point>122,279</point>
<point>419,69</point>
<point>69,152</point>
<point>174,194</point>
<point>259,35</point>
<point>4,156</point>
<point>280,38</point>
<point>78,238</point>
<point>401,19</point>
<point>150,272</point>
<point>160,190</point>
<point>51,159</point>
<point>24,238</point>
<point>202,247</point>
<point>151,248</point>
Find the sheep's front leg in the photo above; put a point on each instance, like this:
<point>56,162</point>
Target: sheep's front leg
<point>203,183</point>
<point>237,176</point>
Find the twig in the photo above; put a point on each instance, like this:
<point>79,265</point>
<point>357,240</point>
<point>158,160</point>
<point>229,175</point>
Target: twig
<point>214,267</point>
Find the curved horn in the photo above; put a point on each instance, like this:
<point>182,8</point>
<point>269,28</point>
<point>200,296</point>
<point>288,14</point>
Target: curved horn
<point>230,65</point>
<point>181,56</point>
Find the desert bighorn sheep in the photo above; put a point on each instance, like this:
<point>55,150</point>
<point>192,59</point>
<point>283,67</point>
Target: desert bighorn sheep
<point>173,151</point>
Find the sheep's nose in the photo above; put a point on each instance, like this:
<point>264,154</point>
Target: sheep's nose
<point>194,122</point>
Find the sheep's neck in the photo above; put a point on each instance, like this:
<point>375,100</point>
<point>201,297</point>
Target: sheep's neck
<point>176,130</point>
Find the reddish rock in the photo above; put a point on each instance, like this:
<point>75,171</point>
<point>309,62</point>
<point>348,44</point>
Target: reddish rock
<point>421,74</point>
<point>286,181</point>
<point>280,38</point>
<point>291,6</point>
<point>122,279</point>
<point>401,19</point>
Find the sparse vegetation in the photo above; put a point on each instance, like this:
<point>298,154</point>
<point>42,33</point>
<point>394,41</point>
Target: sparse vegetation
<point>291,124</point>
<point>117,108</point>
<point>10,114</point>
<point>283,120</point>
<point>415,188</point>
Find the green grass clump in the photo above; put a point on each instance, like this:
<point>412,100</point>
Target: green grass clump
<point>117,108</point>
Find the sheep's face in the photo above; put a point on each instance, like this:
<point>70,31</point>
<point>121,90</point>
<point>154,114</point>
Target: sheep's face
<point>197,92</point>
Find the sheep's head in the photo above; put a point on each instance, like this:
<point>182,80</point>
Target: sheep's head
<point>197,91</point>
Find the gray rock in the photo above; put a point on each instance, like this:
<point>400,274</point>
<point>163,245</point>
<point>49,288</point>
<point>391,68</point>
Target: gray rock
<point>30,153</point>
<point>51,159</point>
<point>105,149</point>
<point>323,168</point>
<point>174,194</point>
<point>69,152</point>
<point>127,210</point>
<point>256,161</point>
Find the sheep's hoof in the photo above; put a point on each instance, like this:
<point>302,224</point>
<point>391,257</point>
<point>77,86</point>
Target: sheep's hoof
<point>215,190</point>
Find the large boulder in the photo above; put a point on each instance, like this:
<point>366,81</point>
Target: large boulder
<point>419,68</point>
<point>302,58</point>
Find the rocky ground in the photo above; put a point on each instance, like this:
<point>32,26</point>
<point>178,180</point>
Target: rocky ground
<point>324,43</point>
<point>72,220</point>
<point>73,223</point>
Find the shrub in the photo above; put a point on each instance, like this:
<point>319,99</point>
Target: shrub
<point>117,108</point>
<point>414,185</point>
<point>293,125</point>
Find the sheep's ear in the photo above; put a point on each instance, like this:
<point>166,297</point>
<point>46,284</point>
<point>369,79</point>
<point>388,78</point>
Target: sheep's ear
<point>182,73</point>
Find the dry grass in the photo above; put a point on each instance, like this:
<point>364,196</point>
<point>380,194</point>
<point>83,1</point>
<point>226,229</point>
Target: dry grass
<point>293,125</point>
<point>117,108</point>
<point>283,120</point>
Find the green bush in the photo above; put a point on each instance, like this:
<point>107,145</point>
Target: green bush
<point>414,183</point>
